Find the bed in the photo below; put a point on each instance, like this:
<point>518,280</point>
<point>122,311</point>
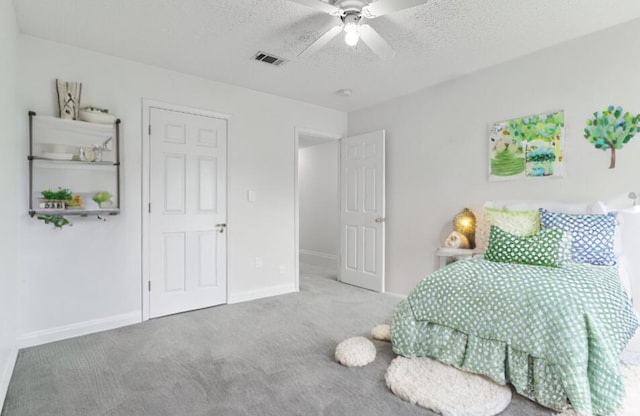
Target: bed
<point>553,327</point>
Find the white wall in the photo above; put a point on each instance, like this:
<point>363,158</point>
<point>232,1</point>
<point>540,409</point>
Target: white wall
<point>437,140</point>
<point>318,185</point>
<point>89,275</point>
<point>8,184</point>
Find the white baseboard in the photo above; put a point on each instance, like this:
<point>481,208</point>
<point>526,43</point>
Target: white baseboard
<point>396,295</point>
<point>320,254</point>
<point>81,328</point>
<point>5,376</point>
<point>260,293</point>
<point>318,258</point>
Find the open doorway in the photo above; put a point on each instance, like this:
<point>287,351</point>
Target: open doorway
<point>318,205</point>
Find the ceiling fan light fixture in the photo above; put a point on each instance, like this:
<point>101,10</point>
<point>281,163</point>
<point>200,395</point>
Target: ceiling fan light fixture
<point>350,27</point>
<point>352,38</point>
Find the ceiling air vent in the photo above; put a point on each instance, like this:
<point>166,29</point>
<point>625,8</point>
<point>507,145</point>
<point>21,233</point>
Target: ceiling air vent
<point>268,58</point>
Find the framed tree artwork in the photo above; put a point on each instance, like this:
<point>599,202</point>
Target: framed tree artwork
<point>611,129</point>
<point>527,147</point>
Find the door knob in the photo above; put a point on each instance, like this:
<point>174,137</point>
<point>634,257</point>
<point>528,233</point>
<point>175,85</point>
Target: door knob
<point>221,227</point>
<point>379,219</point>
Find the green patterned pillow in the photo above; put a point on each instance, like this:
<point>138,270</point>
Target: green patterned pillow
<point>522,223</point>
<point>542,249</point>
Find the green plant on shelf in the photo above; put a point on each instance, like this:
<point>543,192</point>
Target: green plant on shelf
<point>62,194</point>
<point>101,197</point>
<point>58,221</point>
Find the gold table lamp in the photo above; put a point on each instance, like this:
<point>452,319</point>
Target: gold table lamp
<point>465,223</point>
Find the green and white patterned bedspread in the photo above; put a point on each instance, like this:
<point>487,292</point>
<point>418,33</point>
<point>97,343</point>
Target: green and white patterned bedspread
<point>554,333</point>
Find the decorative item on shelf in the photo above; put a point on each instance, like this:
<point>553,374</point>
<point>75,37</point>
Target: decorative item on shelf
<point>98,149</point>
<point>465,224</point>
<point>53,204</point>
<point>457,240</point>
<point>76,202</point>
<point>58,221</point>
<point>635,196</point>
<point>56,199</point>
<point>103,199</point>
<point>97,115</point>
<point>68,98</point>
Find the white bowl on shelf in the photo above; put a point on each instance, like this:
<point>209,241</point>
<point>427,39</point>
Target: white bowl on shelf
<point>96,117</point>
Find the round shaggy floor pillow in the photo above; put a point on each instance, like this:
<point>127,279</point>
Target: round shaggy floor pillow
<point>381,333</point>
<point>445,389</point>
<point>355,352</point>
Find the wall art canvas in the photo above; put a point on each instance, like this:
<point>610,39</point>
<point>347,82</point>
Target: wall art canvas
<point>611,129</point>
<point>69,98</point>
<point>527,147</point>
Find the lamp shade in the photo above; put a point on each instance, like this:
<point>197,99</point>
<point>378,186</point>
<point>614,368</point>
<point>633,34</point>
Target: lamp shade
<point>465,223</point>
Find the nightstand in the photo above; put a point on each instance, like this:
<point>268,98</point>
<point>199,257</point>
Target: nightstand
<point>448,255</point>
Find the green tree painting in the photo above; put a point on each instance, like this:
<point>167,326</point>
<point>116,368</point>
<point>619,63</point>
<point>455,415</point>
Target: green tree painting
<point>611,129</point>
<point>527,146</point>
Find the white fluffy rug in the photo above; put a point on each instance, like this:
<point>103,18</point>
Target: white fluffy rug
<point>445,389</point>
<point>381,332</point>
<point>355,352</point>
<point>631,405</point>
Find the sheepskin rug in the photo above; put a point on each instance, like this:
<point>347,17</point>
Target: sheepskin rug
<point>355,352</point>
<point>445,389</point>
<point>631,404</point>
<point>381,333</point>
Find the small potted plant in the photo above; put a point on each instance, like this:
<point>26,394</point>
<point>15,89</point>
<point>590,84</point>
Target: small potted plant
<point>103,199</point>
<point>56,200</point>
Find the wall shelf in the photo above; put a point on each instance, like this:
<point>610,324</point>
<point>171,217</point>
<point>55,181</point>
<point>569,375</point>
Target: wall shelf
<point>72,162</point>
<point>73,211</point>
<point>55,148</point>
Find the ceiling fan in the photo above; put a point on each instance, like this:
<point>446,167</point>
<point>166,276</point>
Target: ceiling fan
<point>351,14</point>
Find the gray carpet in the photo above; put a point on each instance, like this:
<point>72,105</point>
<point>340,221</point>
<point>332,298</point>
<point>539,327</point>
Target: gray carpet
<point>268,357</point>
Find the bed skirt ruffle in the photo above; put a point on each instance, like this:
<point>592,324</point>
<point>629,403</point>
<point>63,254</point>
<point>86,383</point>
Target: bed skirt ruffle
<point>532,377</point>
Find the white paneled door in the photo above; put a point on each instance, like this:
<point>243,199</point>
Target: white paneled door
<point>188,215</point>
<point>362,210</point>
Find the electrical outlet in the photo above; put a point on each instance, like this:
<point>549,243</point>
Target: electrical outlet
<point>283,269</point>
<point>259,262</point>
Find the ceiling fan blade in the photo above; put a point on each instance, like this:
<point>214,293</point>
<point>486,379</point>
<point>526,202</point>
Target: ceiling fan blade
<point>321,41</point>
<point>375,42</point>
<point>320,6</point>
<point>382,7</point>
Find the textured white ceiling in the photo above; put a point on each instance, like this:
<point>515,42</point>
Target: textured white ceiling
<point>215,39</point>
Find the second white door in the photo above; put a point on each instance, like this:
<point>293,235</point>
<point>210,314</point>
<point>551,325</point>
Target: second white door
<point>362,210</point>
<point>187,219</point>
